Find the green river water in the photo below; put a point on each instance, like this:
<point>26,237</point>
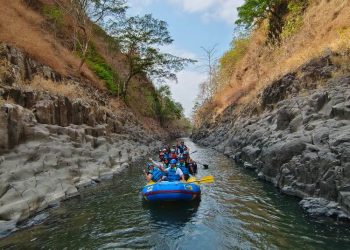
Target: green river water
<point>238,211</point>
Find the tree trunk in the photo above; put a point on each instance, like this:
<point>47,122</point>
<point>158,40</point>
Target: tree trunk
<point>84,52</point>
<point>276,22</point>
<point>125,87</point>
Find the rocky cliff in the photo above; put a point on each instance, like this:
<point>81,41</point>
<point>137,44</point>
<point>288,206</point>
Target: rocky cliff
<point>297,136</point>
<point>52,145</point>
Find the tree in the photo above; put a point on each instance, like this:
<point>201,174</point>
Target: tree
<point>209,87</point>
<point>167,109</point>
<point>140,39</point>
<point>83,12</point>
<point>253,12</point>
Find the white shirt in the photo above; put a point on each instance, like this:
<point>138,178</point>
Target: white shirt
<point>178,171</point>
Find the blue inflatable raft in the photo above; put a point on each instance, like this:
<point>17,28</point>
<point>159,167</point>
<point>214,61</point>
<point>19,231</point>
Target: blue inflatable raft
<point>171,191</point>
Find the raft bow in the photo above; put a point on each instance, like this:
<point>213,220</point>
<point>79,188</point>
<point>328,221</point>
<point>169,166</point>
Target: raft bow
<point>172,191</point>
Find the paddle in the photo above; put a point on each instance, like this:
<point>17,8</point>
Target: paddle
<point>205,179</point>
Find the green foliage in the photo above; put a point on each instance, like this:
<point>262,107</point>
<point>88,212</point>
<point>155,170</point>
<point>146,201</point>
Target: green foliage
<point>54,14</point>
<point>102,11</point>
<point>166,108</point>
<point>235,53</point>
<point>152,104</point>
<point>294,19</point>
<point>160,104</point>
<point>101,68</point>
<point>139,39</point>
<point>231,58</point>
<point>253,11</point>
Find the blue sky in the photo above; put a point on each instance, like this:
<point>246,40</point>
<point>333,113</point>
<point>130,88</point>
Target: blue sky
<point>193,24</point>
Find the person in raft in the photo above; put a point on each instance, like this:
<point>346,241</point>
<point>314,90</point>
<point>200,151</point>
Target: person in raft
<point>154,173</point>
<point>181,147</point>
<point>174,173</point>
<point>185,168</point>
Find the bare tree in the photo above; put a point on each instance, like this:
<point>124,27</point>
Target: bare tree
<point>209,87</point>
<point>86,12</point>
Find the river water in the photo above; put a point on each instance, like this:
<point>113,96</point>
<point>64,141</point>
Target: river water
<point>237,211</point>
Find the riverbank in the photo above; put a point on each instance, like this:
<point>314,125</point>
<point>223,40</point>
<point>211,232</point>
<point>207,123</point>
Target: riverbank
<point>59,135</point>
<point>297,136</point>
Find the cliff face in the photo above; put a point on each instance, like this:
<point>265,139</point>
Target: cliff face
<point>52,145</point>
<point>297,137</point>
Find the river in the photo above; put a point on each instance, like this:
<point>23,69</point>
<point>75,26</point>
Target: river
<point>236,211</point>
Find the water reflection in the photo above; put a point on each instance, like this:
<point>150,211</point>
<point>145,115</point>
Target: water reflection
<point>172,213</point>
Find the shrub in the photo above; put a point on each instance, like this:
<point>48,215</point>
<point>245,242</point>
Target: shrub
<point>54,14</point>
<point>102,69</point>
<point>294,19</point>
<point>229,60</point>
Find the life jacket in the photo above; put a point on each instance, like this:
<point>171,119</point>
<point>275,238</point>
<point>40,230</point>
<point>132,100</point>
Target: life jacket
<point>173,156</point>
<point>156,174</point>
<point>181,148</point>
<point>184,168</point>
<point>172,176</point>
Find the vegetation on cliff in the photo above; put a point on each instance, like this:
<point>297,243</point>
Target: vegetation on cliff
<point>91,41</point>
<point>273,38</point>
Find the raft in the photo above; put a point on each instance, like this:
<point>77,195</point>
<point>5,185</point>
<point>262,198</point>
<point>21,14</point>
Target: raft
<point>171,191</point>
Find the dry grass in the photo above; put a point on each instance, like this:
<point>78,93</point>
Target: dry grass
<point>24,28</point>
<point>326,26</point>
<point>65,89</point>
<point>8,100</point>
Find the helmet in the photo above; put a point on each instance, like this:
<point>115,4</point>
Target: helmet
<point>172,150</point>
<point>164,150</point>
<point>173,161</point>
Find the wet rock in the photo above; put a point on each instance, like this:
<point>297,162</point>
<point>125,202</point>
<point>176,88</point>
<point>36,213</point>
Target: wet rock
<point>36,220</point>
<point>248,165</point>
<point>250,153</point>
<point>322,207</point>
<point>7,227</point>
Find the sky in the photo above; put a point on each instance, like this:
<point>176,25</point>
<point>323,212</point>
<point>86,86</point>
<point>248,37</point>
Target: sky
<point>193,24</point>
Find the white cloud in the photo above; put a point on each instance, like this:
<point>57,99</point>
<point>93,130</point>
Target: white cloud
<point>138,6</point>
<point>185,91</point>
<point>193,5</point>
<point>211,9</point>
<point>208,9</point>
<point>171,49</point>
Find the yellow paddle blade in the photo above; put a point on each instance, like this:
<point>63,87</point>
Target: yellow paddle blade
<point>206,179</point>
